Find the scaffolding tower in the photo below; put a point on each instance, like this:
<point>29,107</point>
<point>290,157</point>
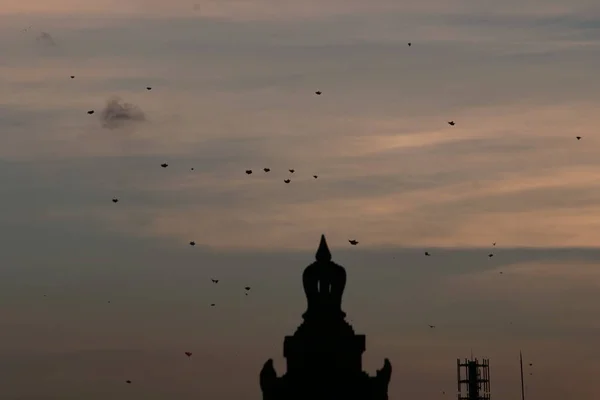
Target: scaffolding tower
<point>474,382</point>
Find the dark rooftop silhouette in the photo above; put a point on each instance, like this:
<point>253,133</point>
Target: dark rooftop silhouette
<point>324,356</point>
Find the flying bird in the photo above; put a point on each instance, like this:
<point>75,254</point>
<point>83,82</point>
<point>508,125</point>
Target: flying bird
<point>353,242</point>
<point>427,253</point>
<point>315,176</point>
<point>192,243</point>
<point>266,169</point>
<point>292,170</point>
<point>187,353</point>
<point>164,165</point>
<point>318,92</point>
<point>451,123</point>
<point>248,171</point>
<point>115,200</point>
<point>409,44</point>
<point>432,326</point>
<point>91,112</point>
<point>490,255</point>
<point>493,244</point>
<point>191,169</point>
<point>212,304</point>
<point>578,137</point>
<point>215,280</point>
<point>72,76</point>
<point>128,381</point>
<point>286,180</point>
<point>148,88</point>
<point>247,288</point>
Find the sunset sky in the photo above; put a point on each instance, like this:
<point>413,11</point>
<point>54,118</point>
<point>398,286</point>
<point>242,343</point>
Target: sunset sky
<point>233,88</point>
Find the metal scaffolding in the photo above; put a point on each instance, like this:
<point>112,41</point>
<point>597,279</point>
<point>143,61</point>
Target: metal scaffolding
<point>474,381</point>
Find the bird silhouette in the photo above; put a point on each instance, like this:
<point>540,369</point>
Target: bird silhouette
<point>248,171</point>
<point>578,137</point>
<point>315,176</point>
<point>191,169</point>
<point>164,165</point>
<point>353,242</point>
<point>187,353</point>
<point>286,180</point>
<point>148,88</point>
<point>409,44</point>
<point>493,244</point>
<point>247,288</point>
<point>72,76</point>
<point>427,253</point>
<point>266,169</point>
<point>212,304</point>
<point>91,112</point>
<point>192,243</point>
<point>451,123</point>
<point>115,200</point>
<point>215,280</point>
<point>490,255</point>
<point>432,326</point>
<point>128,381</point>
<point>292,170</point>
<point>318,92</point>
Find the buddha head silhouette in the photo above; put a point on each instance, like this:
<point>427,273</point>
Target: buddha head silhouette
<point>324,282</point>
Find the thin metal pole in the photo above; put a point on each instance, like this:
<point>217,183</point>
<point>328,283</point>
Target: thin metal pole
<point>522,382</point>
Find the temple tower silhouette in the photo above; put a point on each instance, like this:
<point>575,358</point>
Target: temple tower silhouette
<point>324,356</point>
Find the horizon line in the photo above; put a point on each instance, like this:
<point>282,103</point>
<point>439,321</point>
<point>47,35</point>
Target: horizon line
<point>220,249</point>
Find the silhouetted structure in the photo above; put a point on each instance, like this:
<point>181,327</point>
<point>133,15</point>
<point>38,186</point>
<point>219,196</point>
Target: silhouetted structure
<point>324,356</point>
<point>476,379</point>
<point>522,380</point>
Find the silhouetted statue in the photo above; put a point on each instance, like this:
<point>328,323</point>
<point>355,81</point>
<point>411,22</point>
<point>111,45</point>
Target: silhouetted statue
<point>324,282</point>
<point>324,356</point>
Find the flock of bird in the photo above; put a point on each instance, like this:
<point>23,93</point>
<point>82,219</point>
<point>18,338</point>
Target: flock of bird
<point>249,171</point>
<point>352,242</point>
<point>192,243</point>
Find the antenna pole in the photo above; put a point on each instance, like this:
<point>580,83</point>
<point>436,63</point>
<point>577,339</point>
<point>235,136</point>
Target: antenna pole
<point>522,382</point>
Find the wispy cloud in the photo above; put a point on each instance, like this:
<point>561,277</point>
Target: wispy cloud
<point>231,94</point>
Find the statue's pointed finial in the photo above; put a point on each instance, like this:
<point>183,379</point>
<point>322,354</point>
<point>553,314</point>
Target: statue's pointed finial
<point>323,253</point>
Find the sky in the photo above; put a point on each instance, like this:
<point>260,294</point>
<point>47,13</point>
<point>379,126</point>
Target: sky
<point>233,88</point>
